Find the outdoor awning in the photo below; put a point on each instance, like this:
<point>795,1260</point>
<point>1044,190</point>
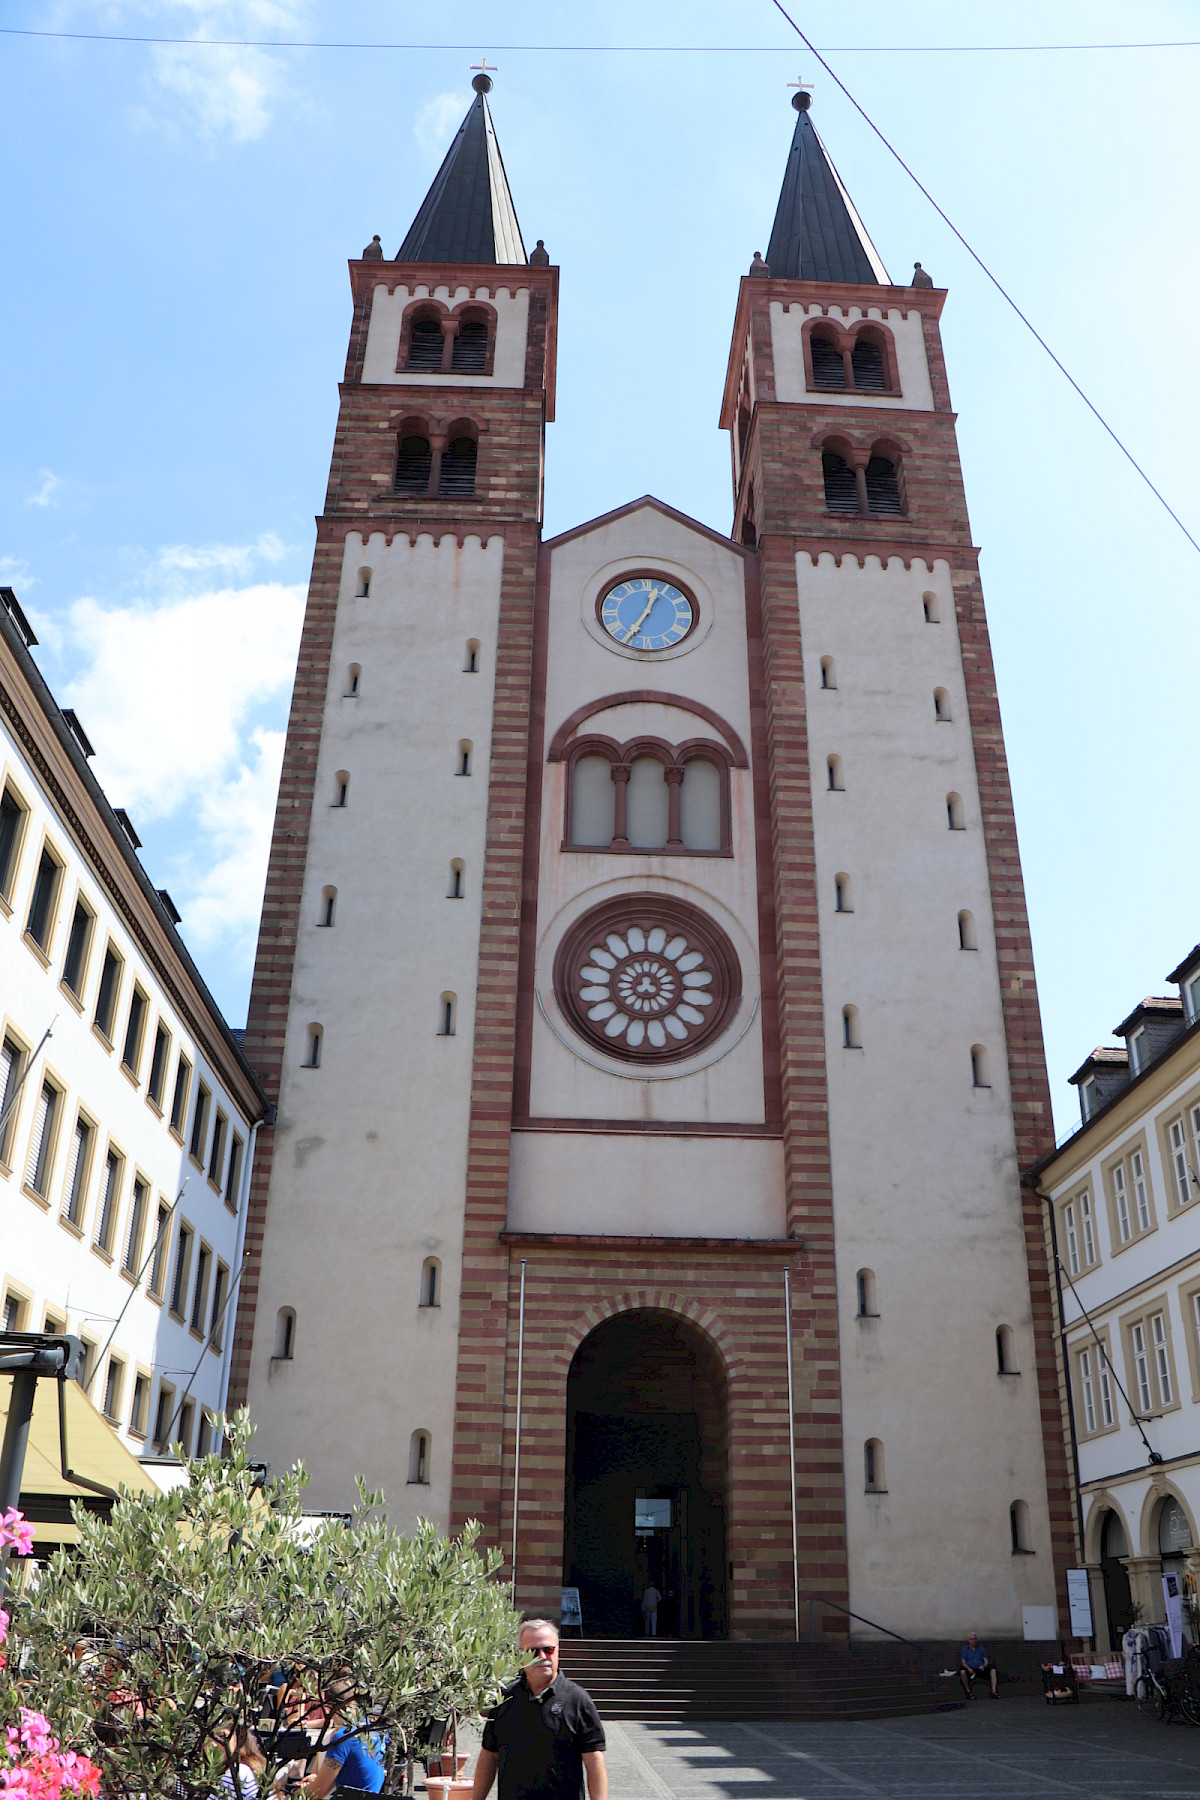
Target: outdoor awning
<point>94,1451</point>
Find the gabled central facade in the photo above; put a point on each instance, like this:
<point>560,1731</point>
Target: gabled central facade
<point>644,942</point>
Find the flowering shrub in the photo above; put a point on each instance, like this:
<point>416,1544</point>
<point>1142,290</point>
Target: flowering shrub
<point>32,1766</point>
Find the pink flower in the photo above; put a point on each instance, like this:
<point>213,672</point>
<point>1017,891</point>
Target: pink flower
<point>16,1533</point>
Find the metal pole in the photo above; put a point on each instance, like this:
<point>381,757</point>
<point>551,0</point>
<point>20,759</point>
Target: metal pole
<point>787,1304</point>
<point>517,1453</point>
<point>16,1436</point>
<point>165,1227</point>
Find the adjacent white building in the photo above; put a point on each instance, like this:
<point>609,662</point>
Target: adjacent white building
<point>126,1134</point>
<point>1123,1212</point>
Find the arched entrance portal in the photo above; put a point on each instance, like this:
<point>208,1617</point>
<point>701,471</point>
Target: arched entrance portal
<point>647,1442</point>
<point>1118,1600</point>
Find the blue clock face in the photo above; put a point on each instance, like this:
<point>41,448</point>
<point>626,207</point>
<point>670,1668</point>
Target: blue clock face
<point>646,613</point>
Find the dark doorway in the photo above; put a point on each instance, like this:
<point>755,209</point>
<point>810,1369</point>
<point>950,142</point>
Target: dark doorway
<point>1118,1600</point>
<point>646,1454</point>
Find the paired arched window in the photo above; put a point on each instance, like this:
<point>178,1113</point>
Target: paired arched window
<point>431,1282</point>
<point>433,340</point>
<point>869,489</point>
<point>418,1459</point>
<point>285,1334</point>
<point>428,464</point>
<point>650,796</point>
<point>861,360</point>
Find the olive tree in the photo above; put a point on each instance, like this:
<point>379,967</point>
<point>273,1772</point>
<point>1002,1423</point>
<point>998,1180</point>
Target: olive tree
<point>155,1639</point>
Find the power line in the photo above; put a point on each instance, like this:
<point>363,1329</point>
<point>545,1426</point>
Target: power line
<point>995,281</point>
<point>114,37</point>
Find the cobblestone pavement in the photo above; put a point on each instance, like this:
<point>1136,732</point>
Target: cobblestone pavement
<point>1013,1750</point>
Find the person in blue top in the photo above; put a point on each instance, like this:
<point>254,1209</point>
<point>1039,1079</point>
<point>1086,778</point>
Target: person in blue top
<point>974,1662</point>
<point>352,1759</point>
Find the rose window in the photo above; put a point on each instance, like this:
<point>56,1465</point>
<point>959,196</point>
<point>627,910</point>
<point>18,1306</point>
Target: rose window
<point>647,978</point>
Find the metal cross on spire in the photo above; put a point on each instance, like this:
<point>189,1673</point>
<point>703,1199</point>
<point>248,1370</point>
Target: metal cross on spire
<point>802,98</point>
<point>482,82</point>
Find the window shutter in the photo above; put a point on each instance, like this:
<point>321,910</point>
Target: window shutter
<point>469,356</point>
<point>75,1170</point>
<point>35,1171</point>
<point>867,363</point>
<point>112,1168</point>
<point>828,369</point>
<point>458,468</point>
<point>413,466</point>
<point>883,489</point>
<point>841,489</point>
<point>425,345</point>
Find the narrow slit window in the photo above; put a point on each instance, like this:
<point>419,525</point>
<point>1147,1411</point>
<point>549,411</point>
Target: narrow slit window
<point>447,1010</point>
<point>967,936</point>
<point>873,1466</point>
<point>851,1029</point>
<point>471,666</point>
<point>431,1282</point>
<point>456,891</point>
<point>835,778</point>
<point>364,584</point>
<point>341,788</point>
<point>828,672</point>
<point>979,1067</point>
<point>1006,1355</point>
<point>418,1459</point>
<point>464,757</point>
<point>867,1306</point>
<point>313,1047</point>
<point>929,603</point>
<point>843,894</point>
<point>941,706</point>
<point>328,906</point>
<point>1018,1519</point>
<point>353,674</point>
<point>285,1334</point>
<point>955,816</point>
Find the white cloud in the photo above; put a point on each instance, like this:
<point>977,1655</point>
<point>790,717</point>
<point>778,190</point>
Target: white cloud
<point>233,559</point>
<point>235,816</point>
<point>436,124</point>
<point>44,495</point>
<point>166,691</point>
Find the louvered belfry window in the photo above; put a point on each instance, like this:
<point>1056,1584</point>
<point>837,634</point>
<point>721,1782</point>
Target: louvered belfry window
<point>413,466</point>
<point>868,365</point>
<point>469,356</point>
<point>883,488</point>
<point>829,371</point>
<point>458,468</point>
<point>425,344</point>
<point>841,489</point>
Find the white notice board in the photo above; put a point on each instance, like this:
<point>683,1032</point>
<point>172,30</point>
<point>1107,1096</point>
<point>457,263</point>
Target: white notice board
<point>1079,1594</point>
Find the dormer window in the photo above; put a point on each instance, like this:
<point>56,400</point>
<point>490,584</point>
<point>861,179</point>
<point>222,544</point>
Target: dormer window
<point>1191,999</point>
<point>1139,1050</point>
<point>1089,1097</point>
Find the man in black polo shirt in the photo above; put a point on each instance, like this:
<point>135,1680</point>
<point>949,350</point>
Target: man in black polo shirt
<point>545,1733</point>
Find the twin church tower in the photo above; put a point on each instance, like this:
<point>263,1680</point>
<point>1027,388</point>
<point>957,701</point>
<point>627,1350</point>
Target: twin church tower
<point>644,980</point>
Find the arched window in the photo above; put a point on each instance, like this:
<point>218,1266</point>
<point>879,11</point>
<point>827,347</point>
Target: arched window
<point>447,1015</point>
<point>941,706</point>
<point>828,672</point>
<point>843,894</point>
<point>954,812</point>
<point>593,802</point>
<point>413,465</point>
<point>866,361</point>
<point>647,804</point>
<point>929,603</point>
<point>418,1459</point>
<point>352,675</point>
<point>431,1282</point>
<point>464,756</point>
<point>833,770</point>
<point>425,344</point>
<point>341,788</point>
<point>1006,1352</point>
<point>457,479</point>
<point>285,1334</point>
<point>967,937</point>
<point>829,371</point>
<point>883,488</point>
<point>867,1305</point>
<point>841,489</point>
<point>700,805</point>
<point>873,1467</point>
<point>312,1059</point>
<point>469,356</point>
<point>851,1029</point>
<point>979,1067</point>
<point>364,583</point>
<point>1018,1524</point>
<point>328,905</point>
<point>471,666</point>
<point>457,876</point>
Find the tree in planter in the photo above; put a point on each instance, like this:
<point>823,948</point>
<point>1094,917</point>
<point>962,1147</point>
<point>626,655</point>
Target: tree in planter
<point>150,1646</point>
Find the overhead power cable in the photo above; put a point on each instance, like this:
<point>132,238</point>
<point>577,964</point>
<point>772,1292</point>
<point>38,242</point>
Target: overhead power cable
<point>995,281</point>
<point>118,37</point>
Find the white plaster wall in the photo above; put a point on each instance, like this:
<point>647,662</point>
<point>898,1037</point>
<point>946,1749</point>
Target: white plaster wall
<point>646,1187</point>
<point>51,1267</point>
<point>383,337</point>
<point>925,1173</point>
<point>787,329</point>
<point>370,1158</point>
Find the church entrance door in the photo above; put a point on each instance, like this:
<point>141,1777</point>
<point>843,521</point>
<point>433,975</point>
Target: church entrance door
<point>647,1439</point>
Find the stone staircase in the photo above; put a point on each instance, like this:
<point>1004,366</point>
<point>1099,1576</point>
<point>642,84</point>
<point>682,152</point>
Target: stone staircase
<point>665,1680</point>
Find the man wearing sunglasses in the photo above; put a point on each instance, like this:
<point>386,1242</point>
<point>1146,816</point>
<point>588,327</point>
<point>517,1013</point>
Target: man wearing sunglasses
<point>545,1736</point>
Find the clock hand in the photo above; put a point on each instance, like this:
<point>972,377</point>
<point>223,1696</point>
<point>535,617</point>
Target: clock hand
<point>640,622</point>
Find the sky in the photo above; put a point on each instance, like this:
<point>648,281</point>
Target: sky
<point>173,319</point>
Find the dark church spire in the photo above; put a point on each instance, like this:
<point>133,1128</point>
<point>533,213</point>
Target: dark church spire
<point>817,235</point>
<point>468,214</point>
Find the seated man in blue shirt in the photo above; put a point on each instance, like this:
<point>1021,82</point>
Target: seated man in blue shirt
<point>974,1661</point>
<point>352,1759</point>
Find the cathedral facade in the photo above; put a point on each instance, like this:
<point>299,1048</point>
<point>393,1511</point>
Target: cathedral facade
<point>644,982</point>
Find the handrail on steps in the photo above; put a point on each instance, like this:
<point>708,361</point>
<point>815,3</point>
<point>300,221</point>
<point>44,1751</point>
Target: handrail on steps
<point>823,1600</point>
